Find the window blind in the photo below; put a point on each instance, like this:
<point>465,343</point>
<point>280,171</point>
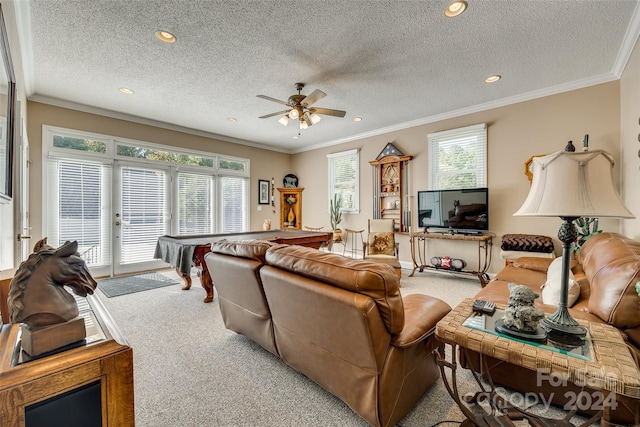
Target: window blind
<point>78,208</point>
<point>195,200</point>
<point>458,158</point>
<point>144,203</point>
<point>234,199</point>
<point>344,178</point>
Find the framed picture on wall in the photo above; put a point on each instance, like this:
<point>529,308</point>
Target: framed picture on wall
<point>263,192</point>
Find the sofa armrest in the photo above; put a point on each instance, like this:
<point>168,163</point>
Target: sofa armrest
<point>421,314</point>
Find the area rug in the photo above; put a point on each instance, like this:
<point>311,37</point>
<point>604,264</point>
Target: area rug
<point>117,286</point>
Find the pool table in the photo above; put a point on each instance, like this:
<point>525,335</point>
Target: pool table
<point>183,252</point>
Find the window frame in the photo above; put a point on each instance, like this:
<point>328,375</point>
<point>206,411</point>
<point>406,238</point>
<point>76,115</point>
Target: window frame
<point>333,158</point>
<point>462,136</point>
<point>49,151</point>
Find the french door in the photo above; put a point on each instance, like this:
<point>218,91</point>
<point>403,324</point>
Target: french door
<point>141,214</point>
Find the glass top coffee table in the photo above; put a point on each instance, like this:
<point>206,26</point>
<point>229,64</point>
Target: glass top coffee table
<point>604,363</point>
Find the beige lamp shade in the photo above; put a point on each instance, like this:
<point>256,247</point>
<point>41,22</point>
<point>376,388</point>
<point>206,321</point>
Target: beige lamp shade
<point>574,184</point>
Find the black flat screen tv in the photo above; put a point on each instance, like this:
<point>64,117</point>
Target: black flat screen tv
<point>458,211</point>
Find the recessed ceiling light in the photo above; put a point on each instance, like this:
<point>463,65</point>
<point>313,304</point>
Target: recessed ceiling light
<point>493,79</point>
<point>166,36</point>
<point>126,90</point>
<point>295,136</point>
<point>455,8</point>
<point>232,119</point>
<point>357,119</point>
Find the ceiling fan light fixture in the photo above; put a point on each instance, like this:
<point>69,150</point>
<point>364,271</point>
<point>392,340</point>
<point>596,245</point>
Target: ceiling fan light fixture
<point>294,113</point>
<point>303,125</point>
<point>284,120</point>
<point>455,8</point>
<point>315,118</point>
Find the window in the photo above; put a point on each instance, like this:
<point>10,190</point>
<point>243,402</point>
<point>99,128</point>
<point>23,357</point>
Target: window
<point>195,206</point>
<point>458,158</point>
<point>344,179</point>
<point>97,182</point>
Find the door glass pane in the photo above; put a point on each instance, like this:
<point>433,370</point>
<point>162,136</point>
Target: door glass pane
<point>144,203</point>
<point>83,209</point>
<point>195,210</point>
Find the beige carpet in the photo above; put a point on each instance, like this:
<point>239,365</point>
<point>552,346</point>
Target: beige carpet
<point>190,371</point>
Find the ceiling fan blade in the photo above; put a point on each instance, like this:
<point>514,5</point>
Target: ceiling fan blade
<point>274,114</point>
<point>312,98</point>
<point>329,112</point>
<point>306,119</point>
<point>268,98</point>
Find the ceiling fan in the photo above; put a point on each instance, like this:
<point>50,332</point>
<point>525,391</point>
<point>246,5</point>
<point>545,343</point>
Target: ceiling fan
<point>300,108</point>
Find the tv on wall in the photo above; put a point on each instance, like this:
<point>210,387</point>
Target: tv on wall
<point>458,211</point>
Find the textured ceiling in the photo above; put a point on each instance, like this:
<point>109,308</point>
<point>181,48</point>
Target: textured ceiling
<point>392,62</point>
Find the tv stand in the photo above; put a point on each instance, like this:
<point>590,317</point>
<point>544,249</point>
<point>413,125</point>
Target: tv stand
<point>418,242</point>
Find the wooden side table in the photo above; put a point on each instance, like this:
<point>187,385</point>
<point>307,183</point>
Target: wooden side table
<point>610,367</point>
<point>97,375</point>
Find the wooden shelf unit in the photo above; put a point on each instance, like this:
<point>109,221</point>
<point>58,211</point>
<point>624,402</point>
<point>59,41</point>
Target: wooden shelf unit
<point>285,207</point>
<point>391,196</point>
<point>104,361</point>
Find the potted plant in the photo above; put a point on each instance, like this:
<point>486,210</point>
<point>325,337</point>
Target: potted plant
<point>587,227</point>
<point>335,217</point>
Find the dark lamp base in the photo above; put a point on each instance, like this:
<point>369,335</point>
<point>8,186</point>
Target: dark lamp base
<point>564,332</point>
<point>537,336</point>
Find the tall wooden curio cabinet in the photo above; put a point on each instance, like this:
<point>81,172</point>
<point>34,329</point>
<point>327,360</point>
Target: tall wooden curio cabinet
<point>390,187</point>
<point>291,208</point>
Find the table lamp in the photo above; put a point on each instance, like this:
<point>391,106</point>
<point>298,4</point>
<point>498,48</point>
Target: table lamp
<point>571,185</point>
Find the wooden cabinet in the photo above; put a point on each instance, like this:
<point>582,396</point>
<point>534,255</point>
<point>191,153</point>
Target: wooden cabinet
<point>391,192</point>
<point>291,208</point>
<point>99,371</point>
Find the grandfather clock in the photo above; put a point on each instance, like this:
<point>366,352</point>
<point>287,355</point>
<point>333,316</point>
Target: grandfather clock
<point>291,208</point>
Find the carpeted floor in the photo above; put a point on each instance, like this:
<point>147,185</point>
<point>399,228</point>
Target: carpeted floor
<point>190,371</point>
<point>124,285</point>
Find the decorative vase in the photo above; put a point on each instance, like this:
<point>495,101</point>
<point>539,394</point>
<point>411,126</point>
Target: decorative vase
<point>291,217</point>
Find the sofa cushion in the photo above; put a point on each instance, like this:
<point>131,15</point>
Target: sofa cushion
<point>375,280</point>
<point>611,263</point>
<point>551,289</point>
<point>533,263</point>
<point>249,249</point>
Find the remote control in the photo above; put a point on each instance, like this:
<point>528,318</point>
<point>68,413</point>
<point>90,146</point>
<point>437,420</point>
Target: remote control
<point>484,307</point>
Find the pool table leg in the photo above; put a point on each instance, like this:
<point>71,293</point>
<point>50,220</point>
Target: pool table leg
<point>207,283</point>
<point>186,278</point>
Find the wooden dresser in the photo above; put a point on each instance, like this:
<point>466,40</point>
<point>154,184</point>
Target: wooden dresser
<point>90,384</point>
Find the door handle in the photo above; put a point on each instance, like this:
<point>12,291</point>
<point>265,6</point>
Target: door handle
<point>23,237</point>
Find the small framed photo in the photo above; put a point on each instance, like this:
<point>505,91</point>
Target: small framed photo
<point>263,192</point>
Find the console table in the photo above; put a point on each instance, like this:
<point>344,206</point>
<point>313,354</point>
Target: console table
<point>418,242</point>
<point>89,384</point>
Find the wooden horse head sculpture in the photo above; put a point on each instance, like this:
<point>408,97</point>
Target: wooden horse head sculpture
<point>37,296</point>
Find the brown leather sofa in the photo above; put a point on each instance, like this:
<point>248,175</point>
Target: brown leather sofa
<point>340,321</point>
<point>607,269</point>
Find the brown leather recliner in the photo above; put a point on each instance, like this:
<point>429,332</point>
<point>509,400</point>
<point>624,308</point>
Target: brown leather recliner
<point>343,323</point>
<point>235,274</point>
